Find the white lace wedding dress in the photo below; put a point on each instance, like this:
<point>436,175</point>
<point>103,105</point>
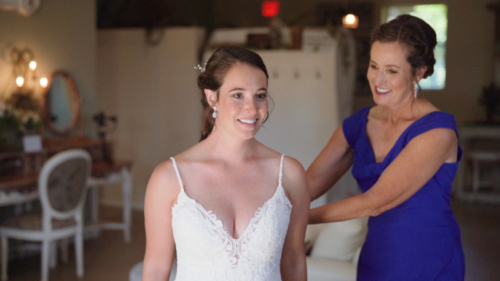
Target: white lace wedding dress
<point>206,251</point>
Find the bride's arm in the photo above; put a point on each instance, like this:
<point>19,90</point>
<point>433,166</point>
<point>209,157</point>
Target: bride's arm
<point>293,260</point>
<point>162,191</point>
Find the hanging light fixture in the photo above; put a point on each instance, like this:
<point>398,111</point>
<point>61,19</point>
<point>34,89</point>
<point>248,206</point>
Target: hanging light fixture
<point>350,21</point>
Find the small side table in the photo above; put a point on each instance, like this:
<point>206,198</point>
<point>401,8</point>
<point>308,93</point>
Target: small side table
<point>106,173</point>
<point>467,133</point>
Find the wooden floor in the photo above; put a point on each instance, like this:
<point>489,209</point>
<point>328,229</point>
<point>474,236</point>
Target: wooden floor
<point>480,227</point>
<point>110,258</point>
<point>106,258</point>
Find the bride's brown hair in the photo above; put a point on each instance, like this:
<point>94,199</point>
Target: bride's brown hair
<point>213,76</point>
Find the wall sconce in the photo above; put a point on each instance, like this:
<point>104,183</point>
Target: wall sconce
<point>350,21</point>
<point>24,69</point>
<point>24,74</point>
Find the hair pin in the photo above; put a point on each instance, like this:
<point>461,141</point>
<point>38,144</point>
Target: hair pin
<point>202,69</point>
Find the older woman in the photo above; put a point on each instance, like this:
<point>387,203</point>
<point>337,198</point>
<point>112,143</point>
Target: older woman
<point>229,207</point>
<point>404,154</point>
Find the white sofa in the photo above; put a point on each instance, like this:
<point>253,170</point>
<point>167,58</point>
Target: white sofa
<point>335,250</point>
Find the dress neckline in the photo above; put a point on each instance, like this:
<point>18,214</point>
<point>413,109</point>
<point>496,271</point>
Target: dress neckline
<point>215,219</point>
<point>372,154</point>
<point>213,216</point>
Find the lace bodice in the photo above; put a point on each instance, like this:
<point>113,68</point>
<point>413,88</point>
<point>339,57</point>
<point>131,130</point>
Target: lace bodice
<point>206,251</point>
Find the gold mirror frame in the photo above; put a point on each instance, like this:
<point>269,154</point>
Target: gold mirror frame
<point>75,119</point>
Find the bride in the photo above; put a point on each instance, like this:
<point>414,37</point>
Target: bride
<point>230,207</point>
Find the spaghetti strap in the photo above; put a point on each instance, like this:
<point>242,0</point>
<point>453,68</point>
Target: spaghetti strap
<point>281,169</point>
<point>177,173</point>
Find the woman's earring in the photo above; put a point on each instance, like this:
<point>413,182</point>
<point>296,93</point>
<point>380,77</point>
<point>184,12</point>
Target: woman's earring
<point>214,114</point>
<point>415,91</point>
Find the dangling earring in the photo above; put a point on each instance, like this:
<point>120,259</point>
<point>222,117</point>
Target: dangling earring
<point>214,114</point>
<point>415,91</point>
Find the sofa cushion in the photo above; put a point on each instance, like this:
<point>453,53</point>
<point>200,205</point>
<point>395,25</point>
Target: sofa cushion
<point>330,270</point>
<point>340,240</point>
<point>312,232</point>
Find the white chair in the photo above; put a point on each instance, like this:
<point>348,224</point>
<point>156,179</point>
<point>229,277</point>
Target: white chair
<point>62,187</point>
<point>335,251</point>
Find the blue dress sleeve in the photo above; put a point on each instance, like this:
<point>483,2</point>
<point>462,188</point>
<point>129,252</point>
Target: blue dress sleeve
<point>434,120</point>
<point>353,126</point>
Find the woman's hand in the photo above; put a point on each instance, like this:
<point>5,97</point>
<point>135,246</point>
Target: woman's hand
<point>161,193</point>
<point>293,260</point>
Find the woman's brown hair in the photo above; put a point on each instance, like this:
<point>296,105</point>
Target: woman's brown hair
<point>212,77</point>
<point>414,33</point>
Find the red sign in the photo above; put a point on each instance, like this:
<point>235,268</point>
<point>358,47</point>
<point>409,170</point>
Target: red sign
<point>270,8</point>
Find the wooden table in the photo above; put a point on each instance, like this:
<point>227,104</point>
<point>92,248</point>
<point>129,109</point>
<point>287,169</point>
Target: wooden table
<point>18,189</point>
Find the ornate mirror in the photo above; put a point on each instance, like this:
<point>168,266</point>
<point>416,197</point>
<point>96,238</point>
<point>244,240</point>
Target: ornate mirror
<point>61,104</point>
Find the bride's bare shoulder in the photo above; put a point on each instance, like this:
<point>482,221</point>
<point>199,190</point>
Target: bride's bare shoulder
<point>294,183</point>
<point>293,170</point>
<point>163,185</point>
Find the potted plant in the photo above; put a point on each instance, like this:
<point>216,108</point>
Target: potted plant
<point>16,123</point>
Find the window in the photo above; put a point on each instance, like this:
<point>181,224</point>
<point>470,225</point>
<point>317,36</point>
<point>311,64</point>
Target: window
<point>435,15</point>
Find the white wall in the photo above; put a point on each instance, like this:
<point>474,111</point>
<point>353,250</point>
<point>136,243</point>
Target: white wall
<point>305,93</point>
<point>152,90</point>
<point>306,109</point>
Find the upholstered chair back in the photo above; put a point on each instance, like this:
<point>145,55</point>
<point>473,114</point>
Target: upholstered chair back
<point>63,184</point>
<point>66,183</point>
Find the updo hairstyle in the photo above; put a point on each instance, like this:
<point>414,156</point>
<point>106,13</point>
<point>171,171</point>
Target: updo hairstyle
<point>414,33</point>
<point>213,77</point>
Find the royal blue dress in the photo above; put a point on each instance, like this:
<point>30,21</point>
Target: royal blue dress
<point>420,238</point>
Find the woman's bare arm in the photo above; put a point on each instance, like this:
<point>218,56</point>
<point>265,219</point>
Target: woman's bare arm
<point>410,171</point>
<point>161,193</point>
<point>333,161</point>
<point>293,260</point>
